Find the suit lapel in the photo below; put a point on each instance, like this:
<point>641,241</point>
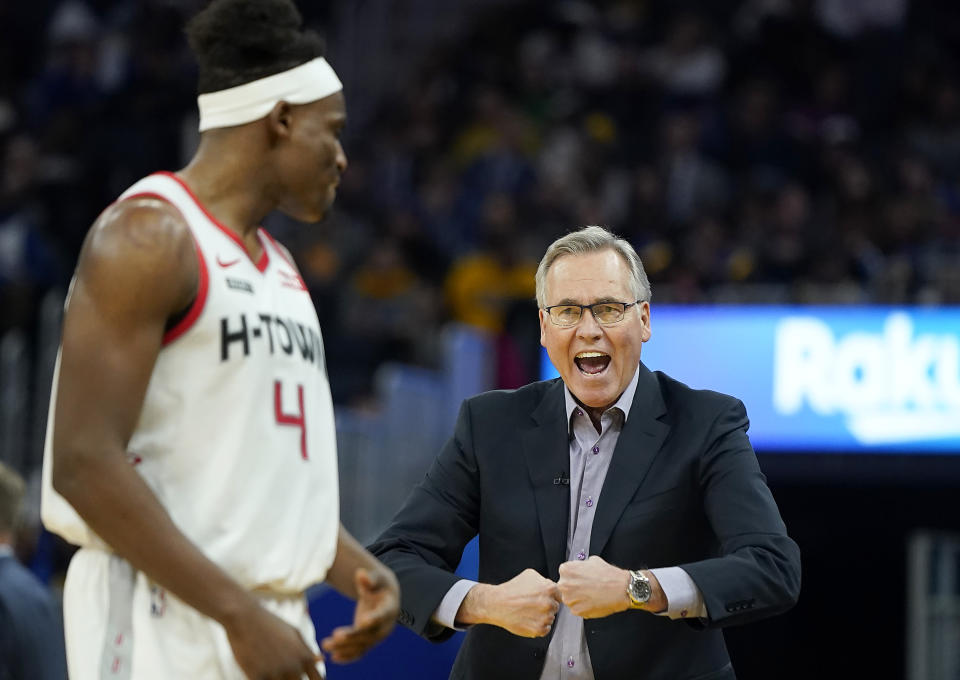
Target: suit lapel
<point>639,443</point>
<point>546,448</point>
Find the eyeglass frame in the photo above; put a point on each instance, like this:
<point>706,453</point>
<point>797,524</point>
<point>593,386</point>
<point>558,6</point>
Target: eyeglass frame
<point>626,306</point>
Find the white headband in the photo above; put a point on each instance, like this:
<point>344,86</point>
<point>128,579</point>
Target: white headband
<point>252,101</point>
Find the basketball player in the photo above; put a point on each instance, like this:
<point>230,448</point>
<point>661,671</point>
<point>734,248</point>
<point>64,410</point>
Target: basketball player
<point>190,447</point>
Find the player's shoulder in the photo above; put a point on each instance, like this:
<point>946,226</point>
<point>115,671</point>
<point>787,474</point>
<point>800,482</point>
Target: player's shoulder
<point>139,249</point>
<point>142,222</point>
<point>141,232</point>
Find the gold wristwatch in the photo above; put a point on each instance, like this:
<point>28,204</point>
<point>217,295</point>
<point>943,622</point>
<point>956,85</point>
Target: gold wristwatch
<point>638,590</point>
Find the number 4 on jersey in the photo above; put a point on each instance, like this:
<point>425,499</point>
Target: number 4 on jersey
<point>297,419</point>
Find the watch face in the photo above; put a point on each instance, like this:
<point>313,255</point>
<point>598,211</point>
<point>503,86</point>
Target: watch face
<point>639,589</point>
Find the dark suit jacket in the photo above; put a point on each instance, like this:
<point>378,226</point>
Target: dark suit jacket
<point>31,634</point>
<point>683,489</point>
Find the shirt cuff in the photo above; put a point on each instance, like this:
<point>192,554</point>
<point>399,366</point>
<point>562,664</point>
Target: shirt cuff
<point>684,599</point>
<point>446,612</point>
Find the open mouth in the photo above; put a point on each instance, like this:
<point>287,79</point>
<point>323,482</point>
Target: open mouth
<point>592,363</point>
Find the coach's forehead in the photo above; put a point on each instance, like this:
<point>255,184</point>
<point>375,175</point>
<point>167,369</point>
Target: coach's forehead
<point>585,278</point>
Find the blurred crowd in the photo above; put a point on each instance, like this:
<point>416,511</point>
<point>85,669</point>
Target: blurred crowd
<point>754,151</point>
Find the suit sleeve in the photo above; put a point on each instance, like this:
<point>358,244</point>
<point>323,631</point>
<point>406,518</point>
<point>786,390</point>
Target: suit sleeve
<point>757,571</point>
<point>31,635</point>
<point>425,540</point>
<point>7,647</point>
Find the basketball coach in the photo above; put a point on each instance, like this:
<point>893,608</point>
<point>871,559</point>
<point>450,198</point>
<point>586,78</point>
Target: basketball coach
<point>623,517</point>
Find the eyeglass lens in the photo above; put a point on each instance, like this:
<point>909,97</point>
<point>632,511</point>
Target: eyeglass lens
<point>603,312</point>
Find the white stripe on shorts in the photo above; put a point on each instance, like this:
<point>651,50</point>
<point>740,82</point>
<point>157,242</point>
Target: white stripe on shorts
<point>116,659</point>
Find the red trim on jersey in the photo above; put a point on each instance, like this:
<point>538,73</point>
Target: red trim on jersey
<point>264,258</point>
<point>298,283</point>
<point>144,194</point>
<point>276,246</point>
<point>200,300</point>
<point>261,263</point>
<point>187,321</point>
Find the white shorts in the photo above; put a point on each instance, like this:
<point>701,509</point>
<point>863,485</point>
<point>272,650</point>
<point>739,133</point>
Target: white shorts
<point>121,626</point>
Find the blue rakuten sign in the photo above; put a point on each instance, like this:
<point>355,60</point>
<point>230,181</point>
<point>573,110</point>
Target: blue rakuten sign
<point>821,378</point>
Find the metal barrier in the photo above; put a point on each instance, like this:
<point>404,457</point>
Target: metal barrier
<point>933,606</point>
<point>25,395</point>
<point>48,344</point>
<point>384,455</point>
<point>14,398</point>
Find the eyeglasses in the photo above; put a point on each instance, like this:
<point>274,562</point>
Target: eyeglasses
<point>606,313</point>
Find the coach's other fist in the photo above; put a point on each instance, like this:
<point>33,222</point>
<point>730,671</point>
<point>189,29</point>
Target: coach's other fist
<point>526,605</point>
<point>593,588</point>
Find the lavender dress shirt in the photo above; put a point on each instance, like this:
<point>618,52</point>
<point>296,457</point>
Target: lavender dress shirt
<point>590,453</point>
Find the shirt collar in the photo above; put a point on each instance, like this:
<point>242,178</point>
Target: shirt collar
<point>623,403</point>
<point>5,550</point>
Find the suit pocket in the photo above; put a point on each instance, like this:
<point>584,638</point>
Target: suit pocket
<point>658,502</point>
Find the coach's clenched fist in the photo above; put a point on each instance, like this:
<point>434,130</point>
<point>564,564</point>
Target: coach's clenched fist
<point>525,605</point>
<point>595,588</point>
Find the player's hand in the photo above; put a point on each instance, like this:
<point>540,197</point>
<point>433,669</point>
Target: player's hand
<point>526,605</point>
<point>594,588</point>
<point>267,648</point>
<point>378,603</point>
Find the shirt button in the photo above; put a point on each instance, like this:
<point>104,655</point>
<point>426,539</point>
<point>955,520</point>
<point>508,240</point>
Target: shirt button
<point>683,614</point>
<point>596,450</point>
<point>579,412</point>
<point>589,502</point>
<point>581,555</point>
<point>570,662</point>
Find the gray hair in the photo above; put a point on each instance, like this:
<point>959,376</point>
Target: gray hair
<point>590,240</point>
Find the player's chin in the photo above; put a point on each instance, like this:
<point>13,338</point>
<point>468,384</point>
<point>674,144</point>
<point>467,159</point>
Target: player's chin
<point>314,212</point>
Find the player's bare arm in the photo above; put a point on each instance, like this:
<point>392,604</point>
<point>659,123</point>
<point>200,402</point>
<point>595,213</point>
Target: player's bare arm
<point>359,575</point>
<point>137,269</point>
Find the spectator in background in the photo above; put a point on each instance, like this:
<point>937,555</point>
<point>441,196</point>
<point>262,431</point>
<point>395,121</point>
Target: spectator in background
<point>31,635</point>
<point>559,105</point>
<point>29,258</point>
<point>485,288</point>
<point>483,284</point>
<point>388,315</point>
<point>685,63</point>
<point>694,183</point>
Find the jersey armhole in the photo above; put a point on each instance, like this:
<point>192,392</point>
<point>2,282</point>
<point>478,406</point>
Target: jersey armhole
<point>184,319</point>
<point>189,316</point>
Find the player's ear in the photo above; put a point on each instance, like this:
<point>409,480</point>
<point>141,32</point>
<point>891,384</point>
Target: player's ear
<point>280,119</point>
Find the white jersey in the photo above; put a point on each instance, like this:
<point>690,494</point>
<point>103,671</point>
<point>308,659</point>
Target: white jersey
<point>236,434</point>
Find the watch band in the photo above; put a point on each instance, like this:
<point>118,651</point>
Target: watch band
<point>638,589</point>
